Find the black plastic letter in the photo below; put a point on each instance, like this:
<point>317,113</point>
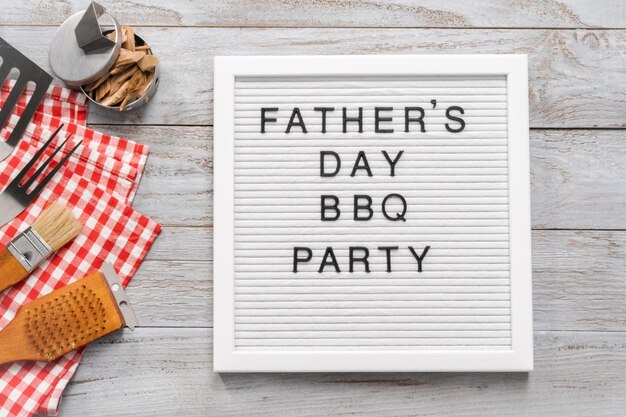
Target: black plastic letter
<point>323,172</point>
<point>347,119</point>
<point>378,119</point>
<point>357,164</point>
<point>408,119</point>
<point>363,259</point>
<point>297,259</point>
<point>329,253</point>
<point>324,207</point>
<point>324,110</point>
<point>300,122</point>
<point>455,118</point>
<point>266,119</point>
<point>358,207</point>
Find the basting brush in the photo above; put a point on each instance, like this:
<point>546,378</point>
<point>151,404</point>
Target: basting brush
<point>66,319</point>
<point>50,232</point>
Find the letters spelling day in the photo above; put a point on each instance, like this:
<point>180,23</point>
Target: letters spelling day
<point>359,257</point>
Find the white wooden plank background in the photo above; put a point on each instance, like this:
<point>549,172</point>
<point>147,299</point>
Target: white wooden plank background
<point>339,13</point>
<point>570,71</point>
<point>577,98</point>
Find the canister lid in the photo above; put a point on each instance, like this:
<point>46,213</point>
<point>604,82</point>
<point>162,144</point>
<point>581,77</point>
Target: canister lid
<point>80,53</point>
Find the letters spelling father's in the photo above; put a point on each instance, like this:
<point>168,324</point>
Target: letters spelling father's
<point>393,206</point>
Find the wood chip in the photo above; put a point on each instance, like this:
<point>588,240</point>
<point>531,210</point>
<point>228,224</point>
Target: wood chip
<point>97,83</point>
<point>111,36</point>
<point>129,57</point>
<point>117,81</point>
<point>103,90</point>
<point>129,41</point>
<point>130,76</point>
<point>148,63</point>
<point>124,90</point>
<point>118,70</point>
<point>144,84</point>
<point>131,97</point>
<point>138,90</point>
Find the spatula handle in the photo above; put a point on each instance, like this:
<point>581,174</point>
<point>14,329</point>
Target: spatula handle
<point>11,271</point>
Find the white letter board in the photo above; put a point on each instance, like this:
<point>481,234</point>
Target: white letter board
<point>372,213</point>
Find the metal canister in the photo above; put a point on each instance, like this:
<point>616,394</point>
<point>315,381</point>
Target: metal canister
<point>81,53</point>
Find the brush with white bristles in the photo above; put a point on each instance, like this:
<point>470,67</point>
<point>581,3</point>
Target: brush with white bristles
<point>55,228</point>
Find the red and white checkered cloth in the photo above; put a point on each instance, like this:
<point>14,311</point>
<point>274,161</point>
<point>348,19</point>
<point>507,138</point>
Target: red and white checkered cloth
<point>101,157</point>
<point>97,183</point>
<point>58,102</point>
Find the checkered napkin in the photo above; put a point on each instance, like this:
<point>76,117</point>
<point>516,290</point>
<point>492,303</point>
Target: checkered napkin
<point>58,102</point>
<point>98,183</point>
<point>101,159</point>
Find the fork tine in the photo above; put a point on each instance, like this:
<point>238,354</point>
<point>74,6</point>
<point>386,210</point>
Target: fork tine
<point>45,181</point>
<point>43,166</point>
<point>33,161</point>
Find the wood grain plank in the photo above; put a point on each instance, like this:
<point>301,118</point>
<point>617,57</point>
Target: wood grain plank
<point>577,280</point>
<point>577,78</point>
<point>583,293</point>
<point>342,13</point>
<point>578,176</point>
<point>175,293</point>
<point>169,372</point>
<point>177,188</point>
<point>578,179</point>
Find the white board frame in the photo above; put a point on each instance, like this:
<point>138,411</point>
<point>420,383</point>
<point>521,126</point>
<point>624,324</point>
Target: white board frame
<point>519,358</point>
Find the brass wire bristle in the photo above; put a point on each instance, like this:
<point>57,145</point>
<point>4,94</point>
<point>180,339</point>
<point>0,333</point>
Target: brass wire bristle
<point>55,328</point>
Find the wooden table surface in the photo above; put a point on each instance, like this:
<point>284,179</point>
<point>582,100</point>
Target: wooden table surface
<point>577,92</point>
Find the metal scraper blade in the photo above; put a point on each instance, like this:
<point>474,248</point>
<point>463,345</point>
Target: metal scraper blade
<point>28,72</point>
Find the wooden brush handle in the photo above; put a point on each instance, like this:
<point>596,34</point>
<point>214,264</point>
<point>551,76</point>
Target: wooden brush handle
<point>11,271</point>
<point>62,321</point>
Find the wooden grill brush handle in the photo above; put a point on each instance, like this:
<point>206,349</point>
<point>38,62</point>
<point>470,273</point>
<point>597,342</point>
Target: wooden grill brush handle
<point>11,271</point>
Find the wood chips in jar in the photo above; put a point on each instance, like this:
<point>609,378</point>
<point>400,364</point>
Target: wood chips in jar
<point>129,77</point>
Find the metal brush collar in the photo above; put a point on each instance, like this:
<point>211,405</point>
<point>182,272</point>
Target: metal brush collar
<point>29,249</point>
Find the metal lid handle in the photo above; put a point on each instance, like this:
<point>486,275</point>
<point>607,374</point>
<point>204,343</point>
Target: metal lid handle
<point>88,31</point>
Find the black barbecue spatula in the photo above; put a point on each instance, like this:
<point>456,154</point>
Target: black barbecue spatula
<point>28,72</point>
